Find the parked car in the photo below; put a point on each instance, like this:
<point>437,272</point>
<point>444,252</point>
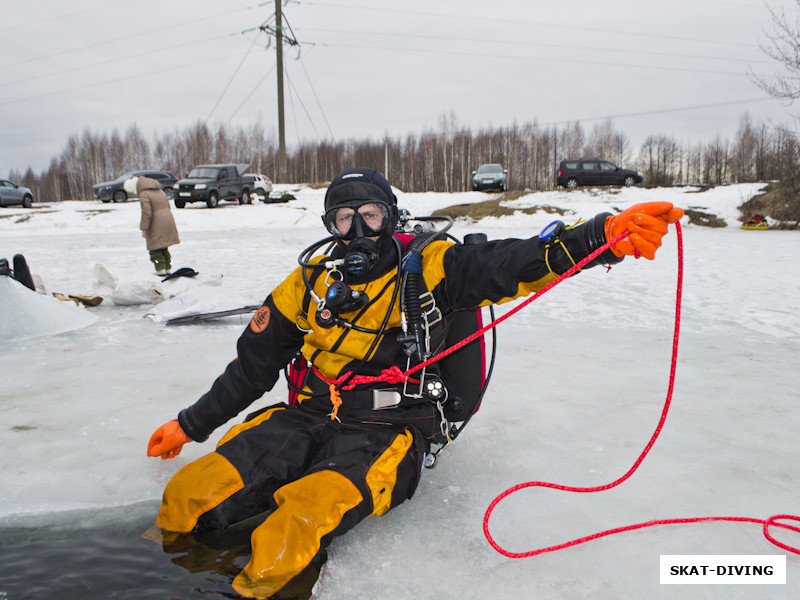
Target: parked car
<point>11,193</point>
<point>262,186</point>
<point>213,183</point>
<point>109,191</point>
<point>490,177</point>
<point>573,172</point>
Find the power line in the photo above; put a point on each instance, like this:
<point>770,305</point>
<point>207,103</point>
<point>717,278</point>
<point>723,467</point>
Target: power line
<point>545,59</point>
<point>302,104</point>
<point>63,16</point>
<point>662,111</point>
<point>225,89</point>
<point>118,79</point>
<point>253,91</point>
<point>316,97</point>
<point>118,40</point>
<point>483,18</point>
<point>505,42</point>
<point>118,59</point>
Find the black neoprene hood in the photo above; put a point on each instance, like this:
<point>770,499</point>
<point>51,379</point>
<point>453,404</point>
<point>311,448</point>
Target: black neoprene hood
<point>359,184</point>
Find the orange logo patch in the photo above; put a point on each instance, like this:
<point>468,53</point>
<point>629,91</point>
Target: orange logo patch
<point>260,320</point>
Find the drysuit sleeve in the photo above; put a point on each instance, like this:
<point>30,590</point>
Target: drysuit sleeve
<point>267,344</point>
<point>498,271</point>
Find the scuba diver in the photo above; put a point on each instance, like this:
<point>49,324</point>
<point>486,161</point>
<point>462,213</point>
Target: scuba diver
<point>355,434</point>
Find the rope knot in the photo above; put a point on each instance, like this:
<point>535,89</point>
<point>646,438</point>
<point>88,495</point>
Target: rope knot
<point>393,375</point>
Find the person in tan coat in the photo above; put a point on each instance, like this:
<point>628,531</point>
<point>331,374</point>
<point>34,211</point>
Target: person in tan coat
<point>157,224</point>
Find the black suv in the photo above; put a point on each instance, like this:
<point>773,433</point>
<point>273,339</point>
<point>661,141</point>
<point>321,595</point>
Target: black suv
<point>113,190</point>
<point>573,172</point>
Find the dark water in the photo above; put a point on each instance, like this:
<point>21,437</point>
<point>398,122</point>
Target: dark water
<point>102,554</point>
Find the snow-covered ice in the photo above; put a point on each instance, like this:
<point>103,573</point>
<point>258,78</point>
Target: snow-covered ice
<point>579,386</point>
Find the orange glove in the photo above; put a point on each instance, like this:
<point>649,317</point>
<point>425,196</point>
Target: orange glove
<point>647,223</point>
<point>167,441</point>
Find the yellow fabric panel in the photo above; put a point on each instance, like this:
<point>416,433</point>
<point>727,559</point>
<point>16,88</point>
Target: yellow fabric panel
<point>237,429</point>
<point>183,503</point>
<point>433,271</point>
<point>285,543</point>
<point>432,262</point>
<point>355,344</point>
<point>288,296</point>
<point>382,475</point>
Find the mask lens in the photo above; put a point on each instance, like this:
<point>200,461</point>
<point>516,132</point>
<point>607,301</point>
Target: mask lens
<point>357,220</point>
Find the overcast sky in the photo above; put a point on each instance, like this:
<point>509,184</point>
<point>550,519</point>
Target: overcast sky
<point>370,68</point>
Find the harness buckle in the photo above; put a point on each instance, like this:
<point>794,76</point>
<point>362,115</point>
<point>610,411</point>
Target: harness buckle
<point>385,398</point>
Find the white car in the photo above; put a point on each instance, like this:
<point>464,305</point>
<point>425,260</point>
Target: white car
<point>262,186</point>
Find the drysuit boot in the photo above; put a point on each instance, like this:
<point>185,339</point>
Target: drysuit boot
<point>22,273</point>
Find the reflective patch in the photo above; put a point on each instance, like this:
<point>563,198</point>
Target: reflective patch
<point>260,320</point>
<point>195,489</point>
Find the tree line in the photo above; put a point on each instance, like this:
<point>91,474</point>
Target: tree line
<point>440,159</point>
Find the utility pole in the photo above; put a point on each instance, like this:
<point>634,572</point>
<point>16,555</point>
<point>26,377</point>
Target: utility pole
<point>279,32</point>
<point>386,156</point>
<point>281,125</point>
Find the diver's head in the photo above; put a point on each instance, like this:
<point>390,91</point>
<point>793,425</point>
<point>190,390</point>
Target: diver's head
<point>359,203</point>
<point>361,213</point>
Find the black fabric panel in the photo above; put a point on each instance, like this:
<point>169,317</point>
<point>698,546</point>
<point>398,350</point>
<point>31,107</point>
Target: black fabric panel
<point>295,442</point>
<point>493,270</point>
<point>463,370</point>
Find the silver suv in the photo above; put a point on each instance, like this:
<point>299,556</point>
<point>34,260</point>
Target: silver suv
<point>490,177</point>
<point>11,193</point>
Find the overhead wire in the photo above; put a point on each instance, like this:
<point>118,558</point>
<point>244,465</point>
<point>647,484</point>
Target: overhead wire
<point>438,39</point>
<point>232,77</point>
<point>314,92</point>
<point>253,91</point>
<point>663,111</point>
<point>115,41</point>
<point>118,79</point>
<point>393,49</point>
<point>4,83</point>
<point>62,16</point>
<point>543,59</point>
<point>302,104</point>
<point>316,97</point>
<point>484,18</point>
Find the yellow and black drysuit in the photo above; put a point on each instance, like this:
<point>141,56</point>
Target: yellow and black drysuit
<point>321,475</point>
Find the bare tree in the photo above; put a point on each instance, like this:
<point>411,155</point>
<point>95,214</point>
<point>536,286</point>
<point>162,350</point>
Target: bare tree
<point>782,45</point>
<point>606,142</point>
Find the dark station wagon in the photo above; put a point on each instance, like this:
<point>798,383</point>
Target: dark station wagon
<point>573,172</point>
<point>113,191</point>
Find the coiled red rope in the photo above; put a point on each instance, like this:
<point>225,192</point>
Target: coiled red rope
<point>774,521</point>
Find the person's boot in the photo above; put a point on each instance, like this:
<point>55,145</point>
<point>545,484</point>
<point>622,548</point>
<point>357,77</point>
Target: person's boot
<point>22,273</point>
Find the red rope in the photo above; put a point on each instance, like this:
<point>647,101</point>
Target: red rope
<point>395,375</point>
<point>391,375</point>
<point>572,270</point>
<point>774,521</point>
